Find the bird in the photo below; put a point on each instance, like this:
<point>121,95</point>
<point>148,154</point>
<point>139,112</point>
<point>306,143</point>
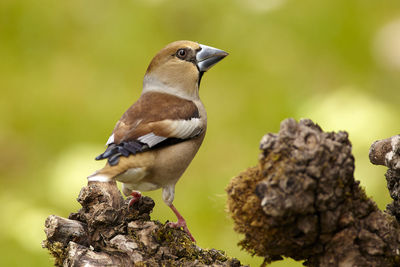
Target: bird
<point>156,139</point>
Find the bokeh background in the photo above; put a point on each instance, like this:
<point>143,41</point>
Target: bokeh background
<point>69,69</point>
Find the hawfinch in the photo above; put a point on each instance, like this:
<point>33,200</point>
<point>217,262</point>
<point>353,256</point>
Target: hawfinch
<point>157,137</point>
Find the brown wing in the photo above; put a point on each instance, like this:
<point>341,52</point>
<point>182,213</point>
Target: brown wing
<point>155,120</point>
<point>142,117</point>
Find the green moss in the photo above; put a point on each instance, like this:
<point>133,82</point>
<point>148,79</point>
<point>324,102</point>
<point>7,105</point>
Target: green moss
<point>181,246</point>
<point>57,250</point>
<point>245,209</point>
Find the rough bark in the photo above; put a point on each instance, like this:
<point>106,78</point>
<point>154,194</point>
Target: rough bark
<point>303,202</point>
<point>387,152</point>
<point>105,232</point>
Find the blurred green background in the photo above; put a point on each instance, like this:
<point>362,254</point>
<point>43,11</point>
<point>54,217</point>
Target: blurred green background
<point>69,69</point>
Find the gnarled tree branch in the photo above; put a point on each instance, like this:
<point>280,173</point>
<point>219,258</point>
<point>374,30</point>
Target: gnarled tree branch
<point>303,202</point>
<point>105,232</point>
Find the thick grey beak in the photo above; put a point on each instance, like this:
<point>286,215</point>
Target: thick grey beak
<point>208,56</point>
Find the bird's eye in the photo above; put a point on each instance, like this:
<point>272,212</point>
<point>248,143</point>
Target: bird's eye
<point>181,53</point>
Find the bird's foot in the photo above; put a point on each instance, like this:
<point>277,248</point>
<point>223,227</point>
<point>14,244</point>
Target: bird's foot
<point>136,195</point>
<point>182,223</point>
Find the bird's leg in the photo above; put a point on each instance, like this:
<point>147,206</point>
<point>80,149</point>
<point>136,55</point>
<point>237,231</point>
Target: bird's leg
<point>180,223</point>
<point>136,195</point>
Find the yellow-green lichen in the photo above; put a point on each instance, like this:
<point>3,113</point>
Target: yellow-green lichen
<point>57,250</point>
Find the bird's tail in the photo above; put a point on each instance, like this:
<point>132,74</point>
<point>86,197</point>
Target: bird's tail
<point>99,177</point>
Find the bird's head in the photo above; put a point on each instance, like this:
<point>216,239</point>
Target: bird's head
<point>177,69</point>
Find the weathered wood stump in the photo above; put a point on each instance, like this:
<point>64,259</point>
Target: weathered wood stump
<point>105,232</point>
<point>303,202</point>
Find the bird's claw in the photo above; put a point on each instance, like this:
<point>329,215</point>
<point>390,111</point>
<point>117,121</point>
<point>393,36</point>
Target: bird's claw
<point>135,198</point>
<point>182,224</point>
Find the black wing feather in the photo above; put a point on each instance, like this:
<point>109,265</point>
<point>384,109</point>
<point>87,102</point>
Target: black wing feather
<point>126,148</point>
<point>115,151</point>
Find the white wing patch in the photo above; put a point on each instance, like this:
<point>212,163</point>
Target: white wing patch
<point>151,139</point>
<point>184,128</point>
<point>110,140</point>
